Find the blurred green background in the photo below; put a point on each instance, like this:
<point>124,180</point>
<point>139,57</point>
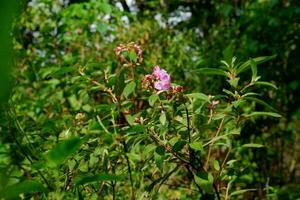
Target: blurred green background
<point>52,39</point>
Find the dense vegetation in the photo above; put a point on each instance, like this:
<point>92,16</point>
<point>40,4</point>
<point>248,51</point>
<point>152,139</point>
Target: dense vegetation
<point>157,99</point>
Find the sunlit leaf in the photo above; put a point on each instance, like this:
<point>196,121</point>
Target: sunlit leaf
<point>105,7</point>
<point>75,104</point>
<point>199,95</point>
<point>265,84</point>
<point>196,146</point>
<point>129,89</point>
<point>241,192</point>
<point>163,118</point>
<point>253,69</point>
<point>152,99</point>
<point>216,165</point>
<point>253,145</point>
<point>257,114</point>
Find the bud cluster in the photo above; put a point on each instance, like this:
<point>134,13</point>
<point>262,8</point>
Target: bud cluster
<point>131,47</point>
<point>213,103</point>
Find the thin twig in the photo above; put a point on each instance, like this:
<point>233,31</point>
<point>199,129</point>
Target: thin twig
<point>210,146</point>
<point>224,161</point>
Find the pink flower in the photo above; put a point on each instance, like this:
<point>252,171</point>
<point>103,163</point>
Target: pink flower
<point>162,85</point>
<point>159,80</point>
<point>163,79</point>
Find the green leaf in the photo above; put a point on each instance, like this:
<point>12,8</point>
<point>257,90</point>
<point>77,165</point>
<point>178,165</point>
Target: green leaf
<point>132,56</point>
<point>75,104</point>
<point>160,150</point>
<point>129,89</point>
<point>257,114</point>
<point>260,102</point>
<point>102,28</point>
<point>59,153</point>
<point>230,162</point>
<point>205,181</point>
<point>47,71</point>
<point>130,119</point>
<point>212,71</point>
<point>218,116</point>
<point>216,165</point>
<point>24,187</point>
<point>241,192</point>
<point>159,161</point>
<point>238,103</point>
<point>253,145</point>
<point>229,92</point>
<point>152,99</point>
<point>178,145</point>
<point>243,67</point>
<point>228,53</point>
<point>196,146</point>
<point>234,82</point>
<point>84,179</point>
<point>253,69</point>
<point>105,7</point>
<point>250,94</point>
<point>264,83</point>
<point>198,95</point>
<point>163,118</point>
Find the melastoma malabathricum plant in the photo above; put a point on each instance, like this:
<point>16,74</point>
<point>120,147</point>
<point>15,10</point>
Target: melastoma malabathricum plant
<point>188,140</point>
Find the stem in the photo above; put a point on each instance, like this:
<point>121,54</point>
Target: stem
<point>118,97</point>
<point>224,161</point>
<point>114,184</point>
<point>129,168</point>
<point>161,105</point>
<point>210,116</point>
<point>247,86</point>
<point>227,191</point>
<point>188,123</point>
<point>114,192</point>
<point>209,154</point>
<point>192,157</point>
<point>217,191</point>
<point>210,146</point>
